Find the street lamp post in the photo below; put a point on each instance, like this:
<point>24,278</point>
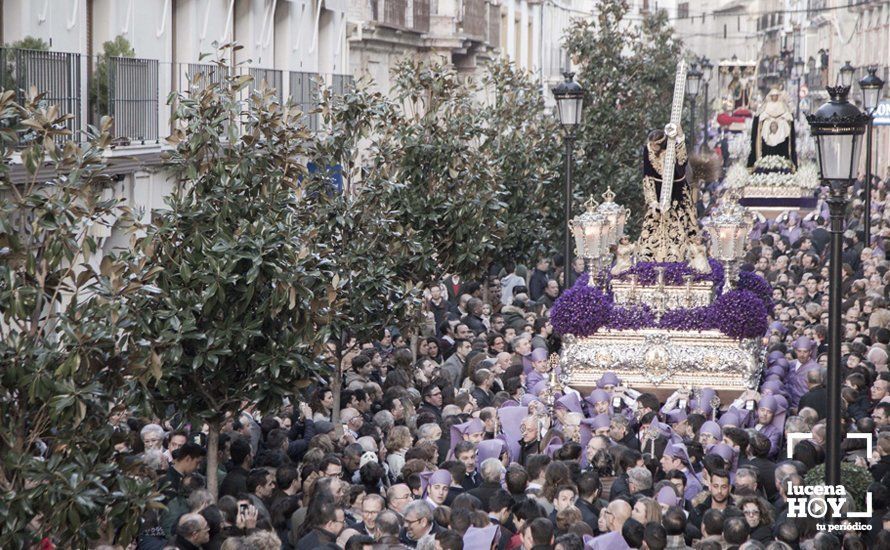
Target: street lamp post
<point>693,83</point>
<point>871,85</point>
<point>837,127</point>
<point>845,75</point>
<point>707,70</point>
<point>798,72</point>
<point>569,96</point>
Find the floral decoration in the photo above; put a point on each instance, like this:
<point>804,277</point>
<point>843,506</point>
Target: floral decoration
<point>773,163</point>
<point>673,273</point>
<point>631,318</point>
<point>741,313</point>
<point>759,286</point>
<point>581,309</point>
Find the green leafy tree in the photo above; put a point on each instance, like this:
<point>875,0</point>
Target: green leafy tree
<point>13,72</point>
<point>243,299</point>
<point>628,73</point>
<point>521,142</point>
<point>70,362</point>
<point>99,99</point>
<point>450,194</point>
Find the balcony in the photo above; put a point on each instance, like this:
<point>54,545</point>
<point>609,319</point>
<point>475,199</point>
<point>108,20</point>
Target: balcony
<point>130,90</point>
<point>132,98</point>
<point>55,74</point>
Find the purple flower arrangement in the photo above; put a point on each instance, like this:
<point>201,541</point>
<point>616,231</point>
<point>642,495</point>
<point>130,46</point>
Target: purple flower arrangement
<point>581,309</point>
<point>740,313</point>
<point>673,273</point>
<point>631,318</point>
<point>759,286</point>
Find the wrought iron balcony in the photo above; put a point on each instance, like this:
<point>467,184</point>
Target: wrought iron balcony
<point>132,98</point>
<point>55,74</point>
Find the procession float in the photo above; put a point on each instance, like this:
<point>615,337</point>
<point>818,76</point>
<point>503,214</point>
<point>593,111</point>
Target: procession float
<point>667,311</point>
<point>771,179</point>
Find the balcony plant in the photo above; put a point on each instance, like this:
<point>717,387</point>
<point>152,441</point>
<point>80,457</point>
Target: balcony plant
<point>99,90</point>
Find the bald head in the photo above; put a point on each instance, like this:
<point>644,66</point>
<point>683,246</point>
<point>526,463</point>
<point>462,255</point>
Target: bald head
<point>814,377</point>
<point>620,511</point>
<point>348,414</point>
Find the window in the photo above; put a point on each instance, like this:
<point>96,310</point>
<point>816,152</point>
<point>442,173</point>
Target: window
<point>683,10</point>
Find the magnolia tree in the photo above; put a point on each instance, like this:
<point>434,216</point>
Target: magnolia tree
<point>70,361</point>
<point>244,297</point>
<point>521,141</point>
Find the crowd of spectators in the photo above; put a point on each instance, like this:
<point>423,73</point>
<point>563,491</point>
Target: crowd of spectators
<point>463,442</point>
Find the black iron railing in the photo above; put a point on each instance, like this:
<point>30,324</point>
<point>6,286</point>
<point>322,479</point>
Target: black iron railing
<point>197,76</point>
<point>133,98</point>
<point>55,74</point>
<point>304,92</point>
<point>341,84</point>
<point>272,77</point>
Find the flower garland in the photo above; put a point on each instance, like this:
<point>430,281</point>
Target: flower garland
<point>674,273</point>
<point>806,177</point>
<point>740,313</point>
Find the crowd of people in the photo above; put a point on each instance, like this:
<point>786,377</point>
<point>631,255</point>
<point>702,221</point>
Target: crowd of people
<point>464,442</point>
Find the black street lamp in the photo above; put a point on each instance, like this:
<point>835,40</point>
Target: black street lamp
<point>798,72</point>
<point>569,96</point>
<point>837,127</point>
<point>693,83</point>
<point>871,86</point>
<point>845,75</point>
<point>707,70</point>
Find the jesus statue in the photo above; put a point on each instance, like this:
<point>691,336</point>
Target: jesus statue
<point>666,235</point>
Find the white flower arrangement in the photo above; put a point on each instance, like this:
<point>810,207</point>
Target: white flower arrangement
<point>736,176</point>
<point>806,178</point>
<point>774,162</point>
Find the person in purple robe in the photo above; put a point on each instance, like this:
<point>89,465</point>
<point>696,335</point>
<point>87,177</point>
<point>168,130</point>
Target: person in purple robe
<point>599,402</point>
<point>492,448</point>
<point>770,422</point>
<point>796,380</point>
<point>710,434</point>
<point>481,538</point>
<point>676,457</point>
<point>540,368</point>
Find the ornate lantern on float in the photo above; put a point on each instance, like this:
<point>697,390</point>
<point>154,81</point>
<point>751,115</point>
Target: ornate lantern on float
<point>590,230</point>
<point>616,217</point>
<point>728,228</point>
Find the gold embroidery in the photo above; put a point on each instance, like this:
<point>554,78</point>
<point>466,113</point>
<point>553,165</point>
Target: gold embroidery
<point>649,192</point>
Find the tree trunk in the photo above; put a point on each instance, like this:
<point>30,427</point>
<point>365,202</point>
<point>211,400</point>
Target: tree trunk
<point>213,459</point>
<point>336,387</point>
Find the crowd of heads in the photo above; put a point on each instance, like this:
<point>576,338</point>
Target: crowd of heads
<point>455,435</point>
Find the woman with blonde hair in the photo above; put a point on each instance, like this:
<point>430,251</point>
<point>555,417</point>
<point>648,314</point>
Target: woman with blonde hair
<point>645,510</point>
<point>397,444</point>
